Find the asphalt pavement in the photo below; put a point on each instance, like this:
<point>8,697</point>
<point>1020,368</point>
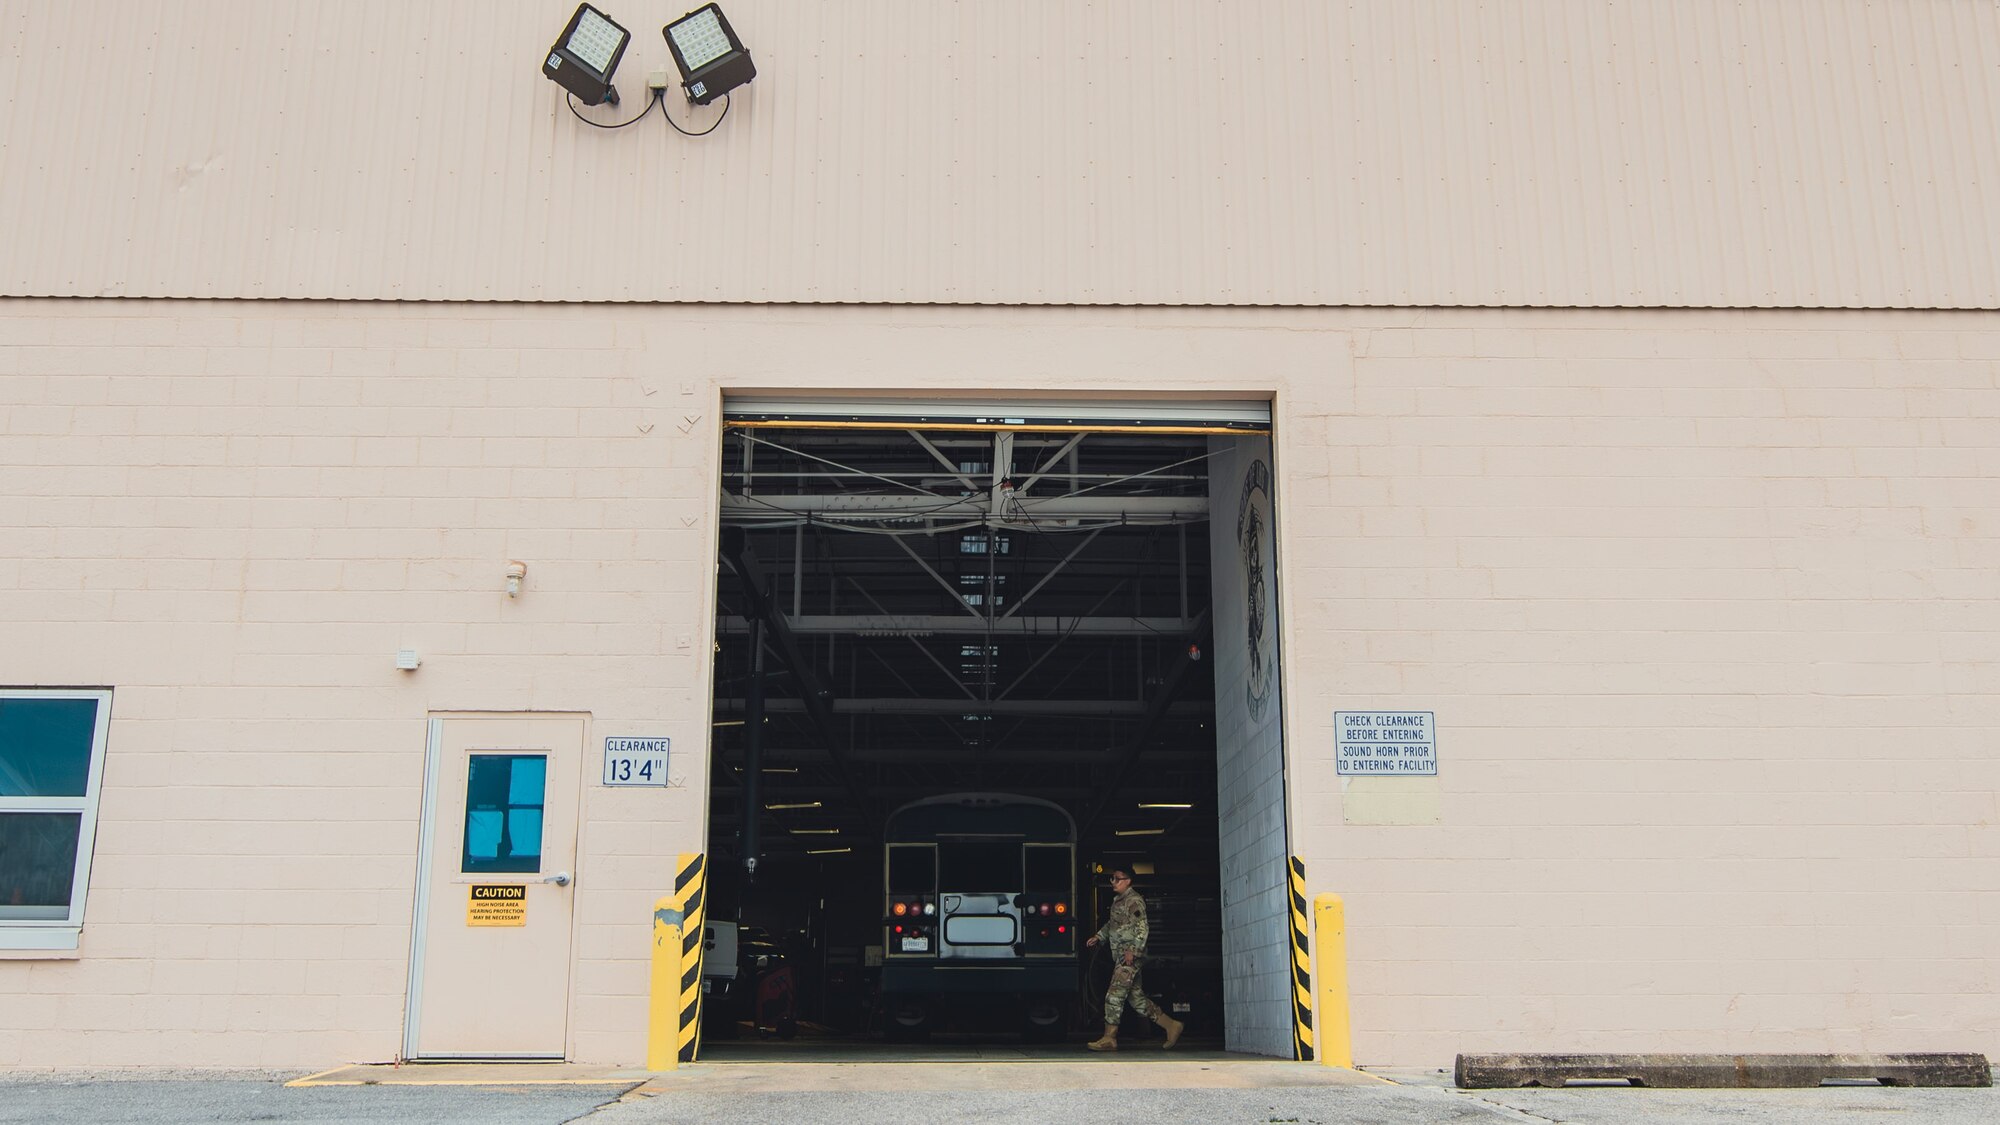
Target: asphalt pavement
<point>1254,1092</point>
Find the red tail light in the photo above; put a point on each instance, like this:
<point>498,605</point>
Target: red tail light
<point>1062,929</point>
<point>899,929</point>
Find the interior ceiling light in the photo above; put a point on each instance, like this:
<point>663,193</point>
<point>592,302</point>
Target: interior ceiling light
<point>711,58</point>
<point>828,851</point>
<point>815,831</point>
<point>586,56</point>
<point>1140,832</point>
<point>1163,805</point>
<point>795,805</point>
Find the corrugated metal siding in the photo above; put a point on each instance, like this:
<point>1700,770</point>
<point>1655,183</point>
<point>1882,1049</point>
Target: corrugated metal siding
<point>1294,152</point>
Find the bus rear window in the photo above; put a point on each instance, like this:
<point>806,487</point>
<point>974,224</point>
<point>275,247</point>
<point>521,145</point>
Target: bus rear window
<point>912,870</point>
<point>979,867</point>
<point>1048,870</point>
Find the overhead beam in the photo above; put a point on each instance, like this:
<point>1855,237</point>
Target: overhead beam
<point>1149,509</point>
<point>965,756</point>
<point>1052,572</point>
<point>950,466</point>
<point>918,624</point>
<point>1104,708</point>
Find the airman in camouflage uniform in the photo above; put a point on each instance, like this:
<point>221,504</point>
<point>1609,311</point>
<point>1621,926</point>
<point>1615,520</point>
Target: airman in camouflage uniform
<point>1126,932</point>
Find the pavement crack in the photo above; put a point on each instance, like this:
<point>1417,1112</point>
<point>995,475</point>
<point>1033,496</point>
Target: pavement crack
<point>614,1099</point>
<point>1514,1113</point>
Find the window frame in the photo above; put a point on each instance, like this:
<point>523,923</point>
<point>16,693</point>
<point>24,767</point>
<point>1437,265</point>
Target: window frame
<point>66,933</point>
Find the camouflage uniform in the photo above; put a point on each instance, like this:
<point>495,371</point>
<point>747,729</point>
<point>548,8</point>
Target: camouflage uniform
<point>1125,931</point>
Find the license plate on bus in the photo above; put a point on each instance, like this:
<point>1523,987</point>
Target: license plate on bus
<point>916,943</point>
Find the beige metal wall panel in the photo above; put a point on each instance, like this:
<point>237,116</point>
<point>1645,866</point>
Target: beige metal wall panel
<point>1826,153</point>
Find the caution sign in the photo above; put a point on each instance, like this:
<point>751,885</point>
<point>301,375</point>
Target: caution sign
<point>497,904</point>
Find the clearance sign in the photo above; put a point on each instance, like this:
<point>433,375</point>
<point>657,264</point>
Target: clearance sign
<point>497,904</point>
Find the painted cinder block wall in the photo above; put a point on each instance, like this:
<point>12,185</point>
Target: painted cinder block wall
<point>1703,602</point>
<point>1257,969</point>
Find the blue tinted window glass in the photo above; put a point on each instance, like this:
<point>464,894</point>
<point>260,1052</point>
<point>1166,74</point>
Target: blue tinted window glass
<point>526,824</point>
<point>526,783</point>
<point>45,747</point>
<point>482,833</point>
<point>37,864</point>
<point>503,813</point>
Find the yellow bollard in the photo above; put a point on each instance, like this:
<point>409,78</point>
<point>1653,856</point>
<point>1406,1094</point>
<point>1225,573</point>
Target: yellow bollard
<point>1336,1036</point>
<point>663,1005</point>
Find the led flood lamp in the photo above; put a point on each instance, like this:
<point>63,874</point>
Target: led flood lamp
<point>586,55</point>
<point>711,58</point>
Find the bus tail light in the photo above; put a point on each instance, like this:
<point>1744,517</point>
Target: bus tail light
<point>1062,908</point>
<point>899,910</point>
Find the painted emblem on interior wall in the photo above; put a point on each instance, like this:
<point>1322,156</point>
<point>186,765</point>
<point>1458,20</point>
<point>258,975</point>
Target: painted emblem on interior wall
<point>1253,538</point>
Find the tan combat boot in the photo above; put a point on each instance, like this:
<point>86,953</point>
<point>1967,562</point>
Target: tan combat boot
<point>1170,1025</point>
<point>1106,1042</point>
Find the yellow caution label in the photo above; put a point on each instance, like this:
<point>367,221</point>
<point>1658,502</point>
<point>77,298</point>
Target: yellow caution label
<point>497,904</point>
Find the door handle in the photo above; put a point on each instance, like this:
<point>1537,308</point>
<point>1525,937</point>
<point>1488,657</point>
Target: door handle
<point>560,879</point>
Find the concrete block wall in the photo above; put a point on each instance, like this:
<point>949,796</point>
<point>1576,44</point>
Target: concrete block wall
<point>235,515</point>
<point>1703,602</point>
<point>1704,605</point>
<point>1250,780</point>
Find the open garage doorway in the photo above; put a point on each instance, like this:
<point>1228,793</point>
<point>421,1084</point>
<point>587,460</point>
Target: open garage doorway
<point>970,658</point>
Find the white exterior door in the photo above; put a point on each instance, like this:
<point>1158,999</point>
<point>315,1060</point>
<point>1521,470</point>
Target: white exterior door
<point>490,964</point>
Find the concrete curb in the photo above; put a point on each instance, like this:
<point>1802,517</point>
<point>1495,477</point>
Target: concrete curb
<point>1707,1072</point>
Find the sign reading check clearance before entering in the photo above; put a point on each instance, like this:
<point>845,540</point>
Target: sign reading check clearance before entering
<point>636,761</point>
<point>1385,742</point>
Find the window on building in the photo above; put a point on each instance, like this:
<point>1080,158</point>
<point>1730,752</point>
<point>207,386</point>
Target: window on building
<point>503,812</point>
<point>51,763</point>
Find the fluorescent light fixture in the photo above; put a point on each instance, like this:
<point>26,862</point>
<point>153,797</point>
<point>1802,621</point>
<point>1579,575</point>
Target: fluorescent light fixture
<point>586,55</point>
<point>1163,805</point>
<point>795,805</point>
<point>815,831</point>
<point>1140,832</point>
<point>828,851</point>
<point>711,58</point>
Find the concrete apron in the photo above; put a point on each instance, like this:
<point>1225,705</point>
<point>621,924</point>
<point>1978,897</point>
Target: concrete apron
<point>1107,1072</point>
<point>1136,1070</point>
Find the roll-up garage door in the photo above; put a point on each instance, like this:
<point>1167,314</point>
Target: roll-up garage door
<point>1185,417</point>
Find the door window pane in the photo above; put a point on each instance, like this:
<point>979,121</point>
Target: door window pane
<point>503,813</point>
<point>45,746</point>
<point>37,864</point>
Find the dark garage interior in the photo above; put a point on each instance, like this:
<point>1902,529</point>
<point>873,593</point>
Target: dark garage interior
<point>912,608</point>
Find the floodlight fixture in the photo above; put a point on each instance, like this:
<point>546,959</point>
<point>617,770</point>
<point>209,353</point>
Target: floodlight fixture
<point>712,59</point>
<point>586,55</point>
